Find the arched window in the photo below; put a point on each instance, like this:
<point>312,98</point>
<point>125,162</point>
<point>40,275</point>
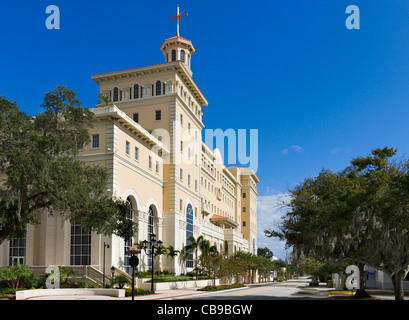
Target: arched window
<point>115,96</point>
<point>150,231</point>
<point>136,91</point>
<point>158,88</point>
<point>128,242</point>
<point>173,55</point>
<point>189,232</point>
<point>182,56</point>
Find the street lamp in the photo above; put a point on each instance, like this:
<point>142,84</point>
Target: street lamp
<point>214,254</point>
<point>103,266</point>
<point>113,274</point>
<point>152,241</point>
<point>238,257</point>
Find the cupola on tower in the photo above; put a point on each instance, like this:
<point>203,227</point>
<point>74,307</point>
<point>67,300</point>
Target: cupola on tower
<point>178,48</point>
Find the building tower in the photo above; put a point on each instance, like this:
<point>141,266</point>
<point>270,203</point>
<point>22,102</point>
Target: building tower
<point>178,48</point>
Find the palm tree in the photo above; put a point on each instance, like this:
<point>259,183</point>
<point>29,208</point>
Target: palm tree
<point>140,246</point>
<point>157,253</point>
<point>248,259</point>
<point>208,252</point>
<point>106,100</point>
<point>172,253</point>
<point>193,245</point>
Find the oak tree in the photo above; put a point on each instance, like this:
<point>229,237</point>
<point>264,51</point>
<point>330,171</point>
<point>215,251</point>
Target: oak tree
<point>40,171</point>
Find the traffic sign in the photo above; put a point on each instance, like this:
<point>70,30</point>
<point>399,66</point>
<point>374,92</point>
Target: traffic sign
<point>133,261</point>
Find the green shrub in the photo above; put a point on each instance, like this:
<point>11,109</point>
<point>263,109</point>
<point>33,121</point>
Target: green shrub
<point>121,281</point>
<point>170,279</point>
<point>138,292</point>
<point>148,274</point>
<point>72,283</point>
<point>18,276</point>
<point>222,287</point>
<point>7,291</point>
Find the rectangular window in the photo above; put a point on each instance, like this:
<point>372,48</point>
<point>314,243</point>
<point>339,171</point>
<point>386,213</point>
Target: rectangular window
<point>181,119</point>
<point>80,145</point>
<point>244,223</point>
<point>244,195</point>
<point>195,184</point>
<point>136,117</point>
<point>136,154</point>
<point>17,250</point>
<point>244,209</point>
<point>127,147</point>
<point>95,141</point>
<point>188,179</point>
<point>181,146</point>
<point>157,166</point>
<point>158,115</point>
<point>80,249</point>
<point>180,205</point>
<point>150,162</point>
<point>181,174</point>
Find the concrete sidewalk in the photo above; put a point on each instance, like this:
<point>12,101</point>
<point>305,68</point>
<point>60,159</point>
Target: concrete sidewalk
<point>158,295</point>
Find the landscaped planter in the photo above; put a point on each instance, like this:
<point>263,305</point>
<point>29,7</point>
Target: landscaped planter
<point>26,294</point>
<point>174,284</point>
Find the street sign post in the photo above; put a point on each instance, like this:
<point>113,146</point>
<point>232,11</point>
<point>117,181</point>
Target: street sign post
<point>133,262</point>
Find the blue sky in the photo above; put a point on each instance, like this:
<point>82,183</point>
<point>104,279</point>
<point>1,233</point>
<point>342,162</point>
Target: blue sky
<point>318,93</point>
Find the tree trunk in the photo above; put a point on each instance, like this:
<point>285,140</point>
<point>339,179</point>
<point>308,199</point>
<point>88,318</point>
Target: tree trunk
<point>397,280</point>
<point>5,234</point>
<point>361,293</point>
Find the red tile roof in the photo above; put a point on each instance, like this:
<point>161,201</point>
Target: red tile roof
<point>177,37</point>
<point>218,217</point>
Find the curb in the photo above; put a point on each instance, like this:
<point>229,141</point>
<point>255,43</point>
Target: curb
<point>208,293</point>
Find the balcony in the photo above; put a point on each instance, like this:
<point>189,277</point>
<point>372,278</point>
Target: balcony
<point>206,209</point>
<point>223,222</point>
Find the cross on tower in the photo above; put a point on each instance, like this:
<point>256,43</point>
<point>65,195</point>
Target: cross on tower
<point>178,16</point>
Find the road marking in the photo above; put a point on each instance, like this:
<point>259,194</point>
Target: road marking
<point>242,294</point>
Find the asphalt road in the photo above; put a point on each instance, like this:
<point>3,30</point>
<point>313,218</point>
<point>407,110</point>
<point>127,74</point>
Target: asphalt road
<point>292,289</point>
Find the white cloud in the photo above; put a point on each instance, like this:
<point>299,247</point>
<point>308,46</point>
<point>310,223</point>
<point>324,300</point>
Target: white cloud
<point>270,209</point>
<point>337,150</point>
<point>294,148</point>
<point>297,148</point>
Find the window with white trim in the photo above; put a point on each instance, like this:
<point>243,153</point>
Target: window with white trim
<point>95,141</point>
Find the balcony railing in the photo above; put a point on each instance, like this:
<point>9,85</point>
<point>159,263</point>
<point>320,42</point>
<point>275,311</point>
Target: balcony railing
<point>206,209</point>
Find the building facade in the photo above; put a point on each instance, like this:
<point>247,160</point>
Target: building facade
<point>150,139</point>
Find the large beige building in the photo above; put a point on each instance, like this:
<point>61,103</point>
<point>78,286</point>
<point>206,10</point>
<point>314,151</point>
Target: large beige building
<point>150,139</point>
